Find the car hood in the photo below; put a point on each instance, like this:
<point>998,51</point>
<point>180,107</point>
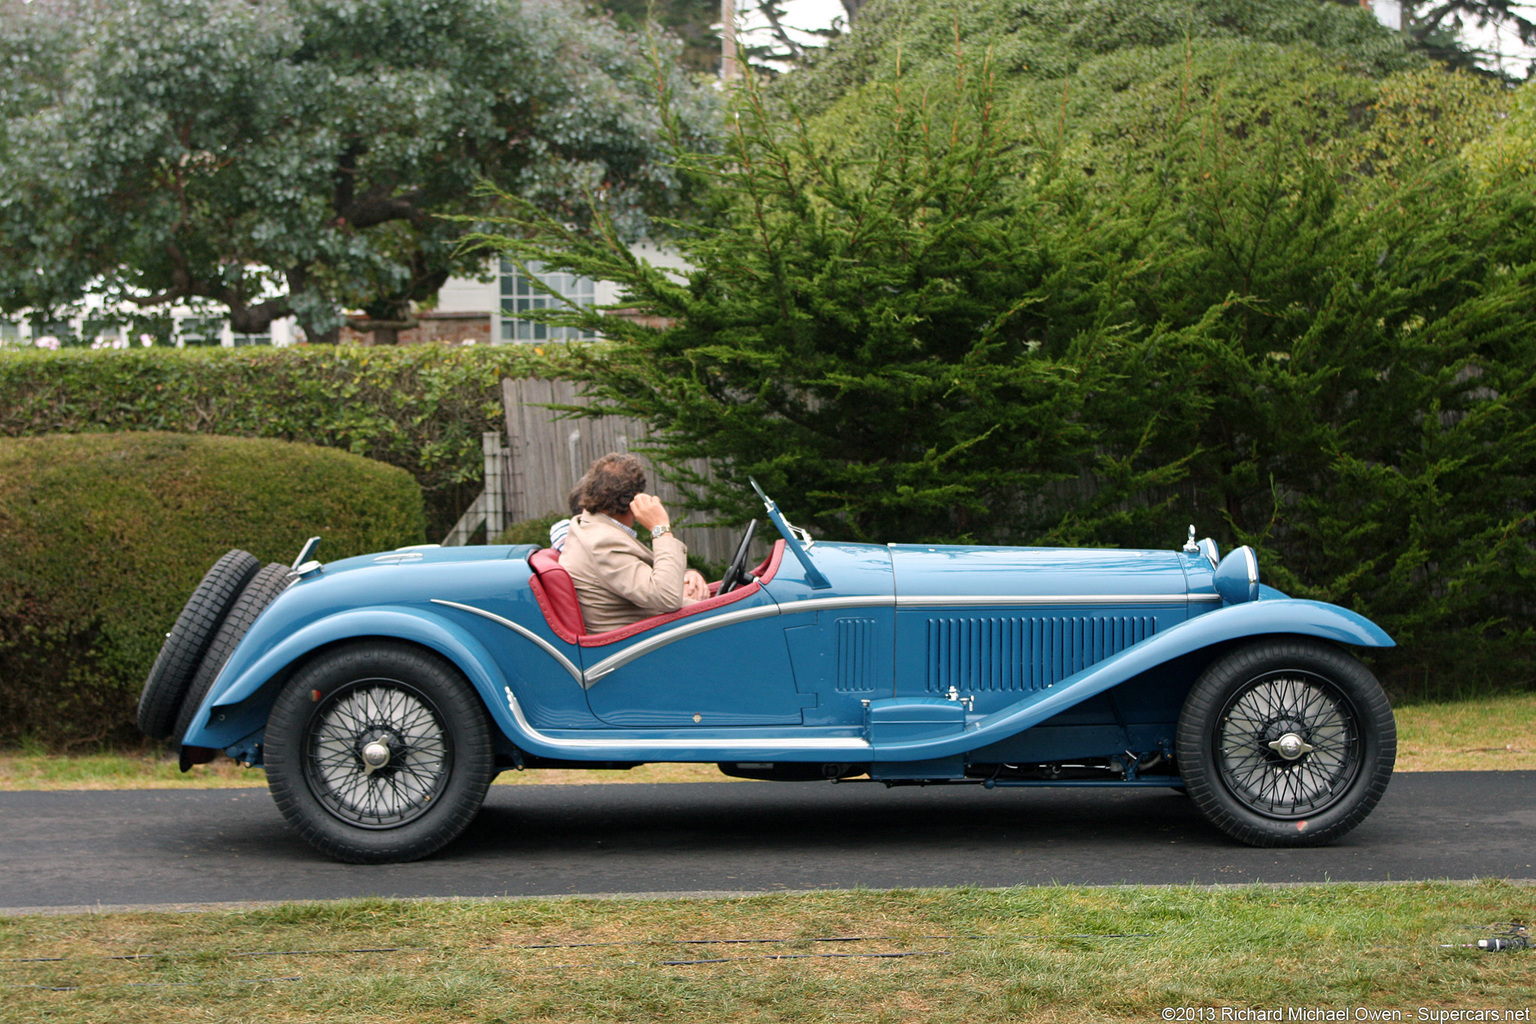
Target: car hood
<point>925,570</point>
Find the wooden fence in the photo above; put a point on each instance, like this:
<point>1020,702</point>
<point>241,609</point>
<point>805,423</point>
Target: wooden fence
<point>529,473</point>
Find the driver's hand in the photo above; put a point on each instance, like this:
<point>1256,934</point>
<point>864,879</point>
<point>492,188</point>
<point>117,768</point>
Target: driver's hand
<point>649,511</point>
<point>695,588</point>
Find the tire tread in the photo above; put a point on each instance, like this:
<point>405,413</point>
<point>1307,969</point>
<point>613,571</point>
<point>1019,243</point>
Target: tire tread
<point>263,588</point>
<point>188,641</point>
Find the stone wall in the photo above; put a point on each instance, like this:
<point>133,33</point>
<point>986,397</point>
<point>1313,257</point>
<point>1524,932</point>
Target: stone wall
<point>443,328</point>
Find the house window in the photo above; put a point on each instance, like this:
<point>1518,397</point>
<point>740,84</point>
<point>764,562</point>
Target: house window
<point>201,330</point>
<point>519,295</point>
<point>10,332</point>
<point>253,339</point>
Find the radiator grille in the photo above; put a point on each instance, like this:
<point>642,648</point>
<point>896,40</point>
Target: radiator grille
<point>1024,653</point>
<point>855,655</point>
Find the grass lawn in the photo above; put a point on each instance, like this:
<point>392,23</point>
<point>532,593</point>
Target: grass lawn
<point>157,770</point>
<point>930,956</point>
<point>1497,733</point>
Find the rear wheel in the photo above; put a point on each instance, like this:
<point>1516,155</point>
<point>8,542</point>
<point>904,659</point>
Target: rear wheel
<point>379,753</point>
<point>1286,743</point>
<point>188,641</point>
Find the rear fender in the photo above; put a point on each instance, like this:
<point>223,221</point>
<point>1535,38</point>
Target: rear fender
<point>240,699</point>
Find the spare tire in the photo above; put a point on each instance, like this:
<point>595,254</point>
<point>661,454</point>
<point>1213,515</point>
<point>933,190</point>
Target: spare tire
<point>263,589</point>
<point>189,639</point>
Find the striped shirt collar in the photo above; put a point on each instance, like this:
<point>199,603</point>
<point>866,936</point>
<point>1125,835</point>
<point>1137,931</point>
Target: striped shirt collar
<point>627,529</point>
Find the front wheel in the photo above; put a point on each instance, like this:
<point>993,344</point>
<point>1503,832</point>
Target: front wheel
<point>1286,743</point>
<point>379,753</point>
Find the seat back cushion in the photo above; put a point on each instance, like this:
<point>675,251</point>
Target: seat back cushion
<point>556,595</point>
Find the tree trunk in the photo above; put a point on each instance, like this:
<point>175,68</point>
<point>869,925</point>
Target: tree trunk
<point>852,8</point>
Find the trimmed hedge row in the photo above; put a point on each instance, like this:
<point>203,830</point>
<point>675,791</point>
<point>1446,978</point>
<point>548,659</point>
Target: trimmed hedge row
<point>104,536</point>
<point>421,407</point>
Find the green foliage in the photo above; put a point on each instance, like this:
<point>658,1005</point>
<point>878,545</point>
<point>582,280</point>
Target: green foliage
<point>1511,148</point>
<point>1237,287</point>
<point>419,407</point>
<point>693,22</point>
<point>301,157</point>
<point>1053,40</point>
<point>104,536</point>
<point>836,296</point>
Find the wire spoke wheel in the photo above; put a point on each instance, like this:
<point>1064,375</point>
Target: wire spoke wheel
<point>1289,745</point>
<point>1286,742</point>
<point>402,730</point>
<point>379,752</point>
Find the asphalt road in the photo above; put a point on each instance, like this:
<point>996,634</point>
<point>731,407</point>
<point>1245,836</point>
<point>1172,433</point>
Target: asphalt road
<point>146,847</point>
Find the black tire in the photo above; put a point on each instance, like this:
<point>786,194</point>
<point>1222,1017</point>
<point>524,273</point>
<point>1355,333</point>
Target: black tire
<point>269,581</point>
<point>1286,742</point>
<point>187,642</point>
<point>439,758</point>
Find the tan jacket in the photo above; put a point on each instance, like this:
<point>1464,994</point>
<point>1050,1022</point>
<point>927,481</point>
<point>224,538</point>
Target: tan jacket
<point>618,579</point>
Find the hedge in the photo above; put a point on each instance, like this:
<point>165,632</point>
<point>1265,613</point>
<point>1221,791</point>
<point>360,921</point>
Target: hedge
<point>104,536</point>
<point>420,407</point>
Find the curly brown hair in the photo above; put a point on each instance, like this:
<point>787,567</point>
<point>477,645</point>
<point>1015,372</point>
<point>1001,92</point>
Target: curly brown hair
<point>612,483</point>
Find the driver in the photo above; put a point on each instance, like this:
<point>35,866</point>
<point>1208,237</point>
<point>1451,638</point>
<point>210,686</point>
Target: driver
<point>619,580</point>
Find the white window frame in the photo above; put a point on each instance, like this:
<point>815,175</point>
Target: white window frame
<point>516,294</point>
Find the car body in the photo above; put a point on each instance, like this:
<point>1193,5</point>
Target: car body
<point>379,690</point>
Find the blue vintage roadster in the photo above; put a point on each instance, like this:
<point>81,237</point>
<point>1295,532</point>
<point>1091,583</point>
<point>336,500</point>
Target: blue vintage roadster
<point>383,693</point>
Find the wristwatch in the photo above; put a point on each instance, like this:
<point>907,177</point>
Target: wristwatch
<point>657,531</point>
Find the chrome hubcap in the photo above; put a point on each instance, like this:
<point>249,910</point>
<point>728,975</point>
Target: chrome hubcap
<point>375,756</point>
<point>1290,746</point>
<point>378,754</point>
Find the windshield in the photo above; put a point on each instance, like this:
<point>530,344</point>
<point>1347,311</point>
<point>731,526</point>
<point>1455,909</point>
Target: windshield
<point>797,539</point>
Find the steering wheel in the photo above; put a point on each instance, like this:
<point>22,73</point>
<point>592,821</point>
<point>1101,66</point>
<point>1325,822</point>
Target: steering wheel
<point>737,575</point>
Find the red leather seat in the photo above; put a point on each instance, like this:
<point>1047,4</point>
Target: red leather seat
<point>556,595</point>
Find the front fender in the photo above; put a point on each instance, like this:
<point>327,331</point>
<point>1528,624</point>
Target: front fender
<point>1234,622</point>
<point>239,701</point>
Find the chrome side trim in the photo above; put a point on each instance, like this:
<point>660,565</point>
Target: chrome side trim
<point>547,647</point>
<point>715,746</point>
<point>684,631</point>
<point>822,604</point>
<point>1054,600</point>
